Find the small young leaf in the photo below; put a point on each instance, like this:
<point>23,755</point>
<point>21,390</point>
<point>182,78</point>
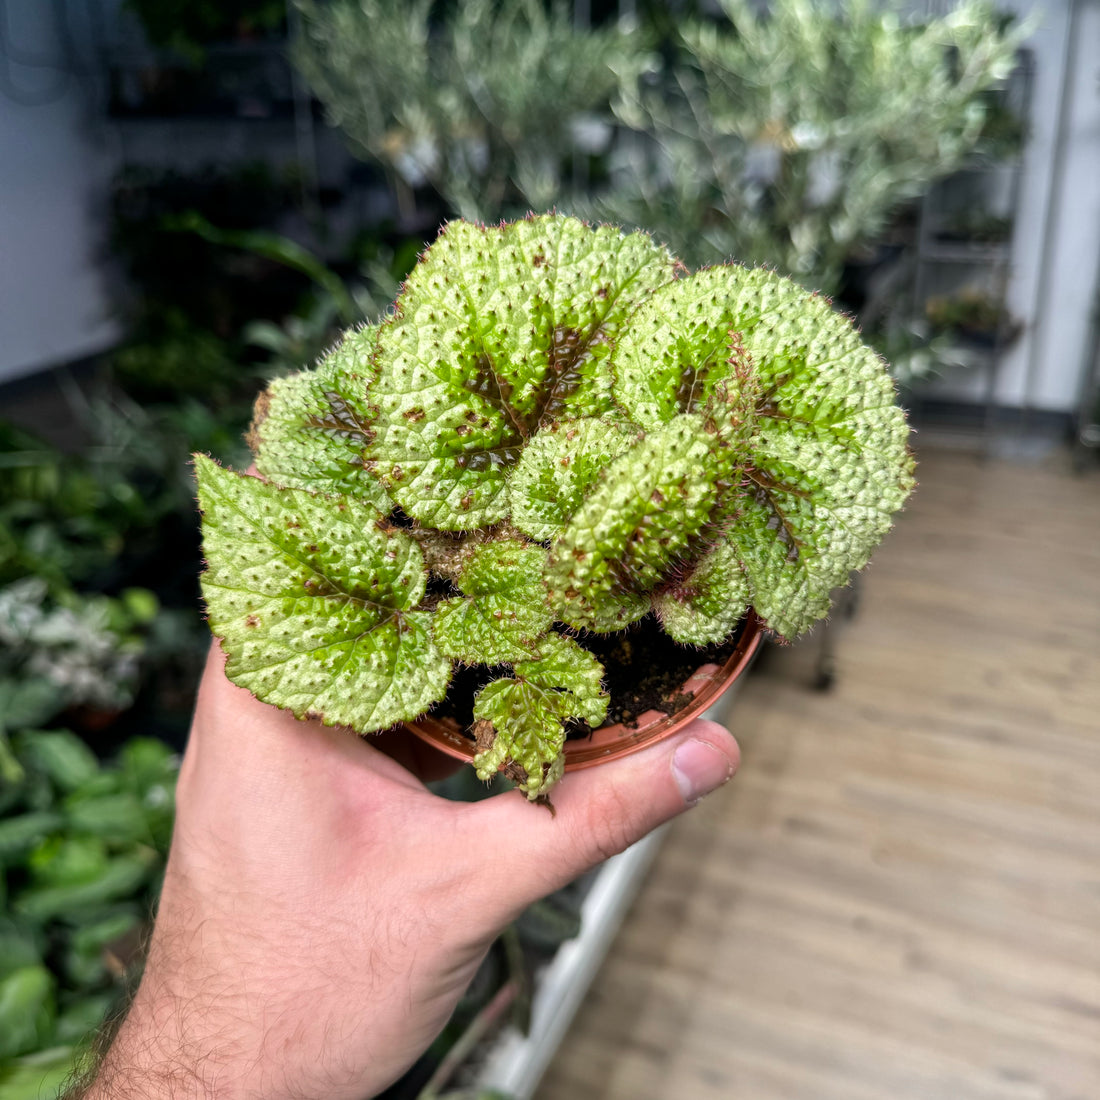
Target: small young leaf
<point>558,468</point>
<point>705,605</point>
<point>311,430</point>
<point>639,520</point>
<point>504,609</point>
<point>519,731</point>
<point>564,665</point>
<point>497,332</point>
<point>313,600</point>
<point>519,723</point>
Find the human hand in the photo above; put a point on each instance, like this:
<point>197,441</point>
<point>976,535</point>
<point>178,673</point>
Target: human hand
<point>322,911</point>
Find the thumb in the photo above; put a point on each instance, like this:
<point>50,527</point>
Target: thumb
<point>599,812</point>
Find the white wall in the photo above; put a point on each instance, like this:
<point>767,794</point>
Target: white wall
<point>54,167</point>
<point>1048,372</point>
<point>1043,369</point>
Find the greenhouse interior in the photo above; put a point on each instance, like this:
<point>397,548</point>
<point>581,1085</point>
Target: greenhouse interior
<point>494,406</point>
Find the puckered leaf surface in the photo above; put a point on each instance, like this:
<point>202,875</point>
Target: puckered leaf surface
<point>563,665</point>
<point>558,468</point>
<point>520,721</point>
<point>830,462</point>
<point>523,724</point>
<point>680,348</point>
<point>313,598</point>
<point>655,498</point>
<point>504,608</point>
<point>497,332</point>
<point>311,430</point>
<point>705,605</point>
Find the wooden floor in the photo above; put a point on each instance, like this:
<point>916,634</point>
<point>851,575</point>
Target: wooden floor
<point>899,896</point>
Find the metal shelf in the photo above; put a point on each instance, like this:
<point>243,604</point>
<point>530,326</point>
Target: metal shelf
<point>959,253</point>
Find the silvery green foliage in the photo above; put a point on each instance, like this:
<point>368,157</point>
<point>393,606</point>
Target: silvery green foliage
<point>558,428</point>
<point>480,102</point>
<point>787,133</point>
<point>80,651</point>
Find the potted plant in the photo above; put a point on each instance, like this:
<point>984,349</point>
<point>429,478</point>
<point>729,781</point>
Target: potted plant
<point>973,316</point>
<point>562,463</point>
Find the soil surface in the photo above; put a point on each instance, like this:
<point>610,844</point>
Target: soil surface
<point>645,670</point>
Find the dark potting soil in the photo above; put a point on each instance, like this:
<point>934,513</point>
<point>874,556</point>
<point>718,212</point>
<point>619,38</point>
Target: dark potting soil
<point>644,670</point>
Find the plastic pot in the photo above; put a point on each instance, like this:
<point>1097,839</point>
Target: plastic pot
<point>706,684</point>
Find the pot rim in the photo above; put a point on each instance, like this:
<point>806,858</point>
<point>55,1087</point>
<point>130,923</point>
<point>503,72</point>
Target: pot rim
<point>706,685</point>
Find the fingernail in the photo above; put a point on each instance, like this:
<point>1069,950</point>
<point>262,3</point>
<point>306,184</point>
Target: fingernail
<point>699,768</point>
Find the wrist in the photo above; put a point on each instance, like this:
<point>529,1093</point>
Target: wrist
<point>173,1047</point>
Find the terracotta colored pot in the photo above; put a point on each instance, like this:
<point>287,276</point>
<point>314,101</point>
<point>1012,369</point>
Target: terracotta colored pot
<point>705,685</point>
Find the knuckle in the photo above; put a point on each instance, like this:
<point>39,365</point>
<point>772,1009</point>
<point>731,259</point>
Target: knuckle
<point>612,824</point>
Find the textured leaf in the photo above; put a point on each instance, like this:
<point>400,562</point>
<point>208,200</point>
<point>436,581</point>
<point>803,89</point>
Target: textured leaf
<point>520,722</point>
<point>558,468</point>
<point>564,665</point>
<point>681,348</point>
<point>497,332</point>
<point>520,726</point>
<point>704,606</point>
<point>830,462</point>
<point>646,513</point>
<point>504,609</point>
<point>313,600</point>
<point>311,430</point>
<point>830,453</point>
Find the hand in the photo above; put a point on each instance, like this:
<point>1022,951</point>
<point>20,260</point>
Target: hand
<point>322,911</point>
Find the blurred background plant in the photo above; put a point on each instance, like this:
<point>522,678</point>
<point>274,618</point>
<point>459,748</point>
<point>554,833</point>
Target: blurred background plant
<point>487,103</point>
<point>82,846</point>
<point>790,136</point>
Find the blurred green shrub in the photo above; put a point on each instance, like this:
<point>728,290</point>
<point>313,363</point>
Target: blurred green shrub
<point>481,101</point>
<point>82,848</point>
<point>789,138</point>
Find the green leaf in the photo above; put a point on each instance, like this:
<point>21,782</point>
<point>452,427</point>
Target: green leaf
<point>313,599</point>
<point>519,723</point>
<point>39,1076</point>
<point>652,504</point>
<point>68,860</point>
<point>558,468</point>
<point>830,462</point>
<point>18,947</point>
<point>59,755</point>
<point>122,878</point>
<point>505,606</point>
<point>81,1018</point>
<point>312,430</point>
<point>683,350</point>
<point>519,730</point>
<point>705,604</point>
<point>85,961</point>
<point>498,332</point>
<point>28,701</point>
<point>18,835</point>
<point>563,665</point>
<point>119,818</point>
<point>26,1010</point>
